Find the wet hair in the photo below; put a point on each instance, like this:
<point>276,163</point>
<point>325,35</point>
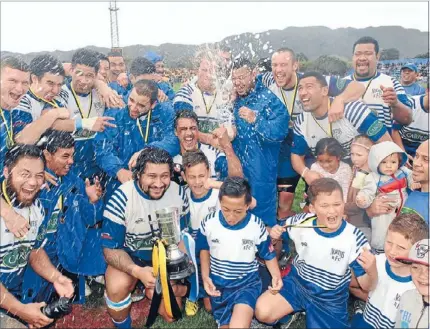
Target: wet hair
<point>329,146</point>
<point>193,158</point>
<point>242,62</point>
<point>287,50</point>
<point>185,114</point>
<point>236,187</point>
<point>114,54</point>
<point>151,155</point>
<point>411,226</point>
<point>46,63</point>
<point>147,88</point>
<point>52,140</point>
<point>323,185</point>
<point>14,63</point>
<point>102,57</point>
<point>140,66</point>
<point>364,40</point>
<point>320,78</point>
<point>264,65</point>
<point>20,151</point>
<point>86,57</point>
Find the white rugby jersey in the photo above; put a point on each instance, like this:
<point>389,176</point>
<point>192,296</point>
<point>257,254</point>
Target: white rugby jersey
<point>212,110</point>
<point>90,105</point>
<point>14,252</point>
<point>34,105</point>
<point>214,157</point>
<point>324,260</point>
<point>358,119</point>
<point>418,131</point>
<point>232,248</point>
<point>373,95</point>
<point>200,208</point>
<point>126,217</point>
<point>384,300</point>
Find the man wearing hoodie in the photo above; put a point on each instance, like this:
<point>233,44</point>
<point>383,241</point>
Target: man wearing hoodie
<point>390,177</point>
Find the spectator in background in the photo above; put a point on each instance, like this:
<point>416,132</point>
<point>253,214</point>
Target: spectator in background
<point>409,75</point>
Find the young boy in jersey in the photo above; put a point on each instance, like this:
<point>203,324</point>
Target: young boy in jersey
<point>392,277</point>
<point>413,311</point>
<point>227,241</point>
<point>328,249</point>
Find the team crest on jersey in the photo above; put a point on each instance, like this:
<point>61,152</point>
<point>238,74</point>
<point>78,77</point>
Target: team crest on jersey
<point>337,255</point>
<point>247,244</point>
<point>17,257</point>
<point>375,128</point>
<point>99,108</point>
<point>340,84</point>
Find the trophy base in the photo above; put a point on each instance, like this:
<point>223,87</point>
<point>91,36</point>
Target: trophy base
<point>179,268</point>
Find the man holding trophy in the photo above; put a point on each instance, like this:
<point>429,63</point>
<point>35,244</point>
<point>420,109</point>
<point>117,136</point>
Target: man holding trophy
<point>148,209</point>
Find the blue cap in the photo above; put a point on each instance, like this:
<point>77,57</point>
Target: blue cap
<point>153,57</point>
<point>410,66</point>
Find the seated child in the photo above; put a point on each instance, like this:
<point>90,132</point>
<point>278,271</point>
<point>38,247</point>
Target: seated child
<point>389,177</point>
<point>329,153</point>
<point>413,311</point>
<point>228,240</point>
<point>327,252</point>
<point>392,278</point>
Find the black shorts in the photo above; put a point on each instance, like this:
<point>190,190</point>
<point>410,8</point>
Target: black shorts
<point>293,181</point>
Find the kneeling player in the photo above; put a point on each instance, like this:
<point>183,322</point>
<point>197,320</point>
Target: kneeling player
<point>227,240</point>
<point>326,253</point>
<point>127,233</point>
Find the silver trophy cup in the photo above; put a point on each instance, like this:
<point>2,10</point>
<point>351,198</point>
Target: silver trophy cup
<point>178,263</point>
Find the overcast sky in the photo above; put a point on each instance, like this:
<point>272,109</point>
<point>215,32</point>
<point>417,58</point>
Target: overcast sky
<point>27,27</point>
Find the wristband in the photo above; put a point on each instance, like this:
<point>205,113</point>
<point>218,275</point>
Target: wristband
<point>304,171</point>
<point>78,123</point>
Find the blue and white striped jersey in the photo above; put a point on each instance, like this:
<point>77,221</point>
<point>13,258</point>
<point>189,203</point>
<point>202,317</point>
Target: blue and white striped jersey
<point>30,103</point>
<point>373,96</point>
<point>324,260</point>
<point>212,110</point>
<point>384,300</point>
<point>14,252</point>
<point>126,225</point>
<point>418,131</point>
<point>200,208</point>
<point>232,248</point>
<point>358,119</point>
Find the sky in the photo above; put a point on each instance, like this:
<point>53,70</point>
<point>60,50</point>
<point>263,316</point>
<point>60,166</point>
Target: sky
<point>69,25</point>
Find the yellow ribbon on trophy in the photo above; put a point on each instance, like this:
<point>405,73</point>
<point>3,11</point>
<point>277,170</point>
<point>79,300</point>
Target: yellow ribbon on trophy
<point>159,265</point>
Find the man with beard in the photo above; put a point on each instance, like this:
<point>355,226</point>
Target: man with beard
<point>207,97</point>
<point>262,124</point>
<point>142,122</point>
<point>126,236</point>
<point>71,207</point>
<point>24,176</point>
<point>418,201</point>
<point>283,81</point>
<point>313,124</point>
<point>383,94</point>
<point>222,163</point>
<point>83,101</point>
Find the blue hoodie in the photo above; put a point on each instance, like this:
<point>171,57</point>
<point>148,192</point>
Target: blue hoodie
<point>257,146</point>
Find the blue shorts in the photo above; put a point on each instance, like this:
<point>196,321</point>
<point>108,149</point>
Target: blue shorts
<point>318,314</point>
<point>222,306</point>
